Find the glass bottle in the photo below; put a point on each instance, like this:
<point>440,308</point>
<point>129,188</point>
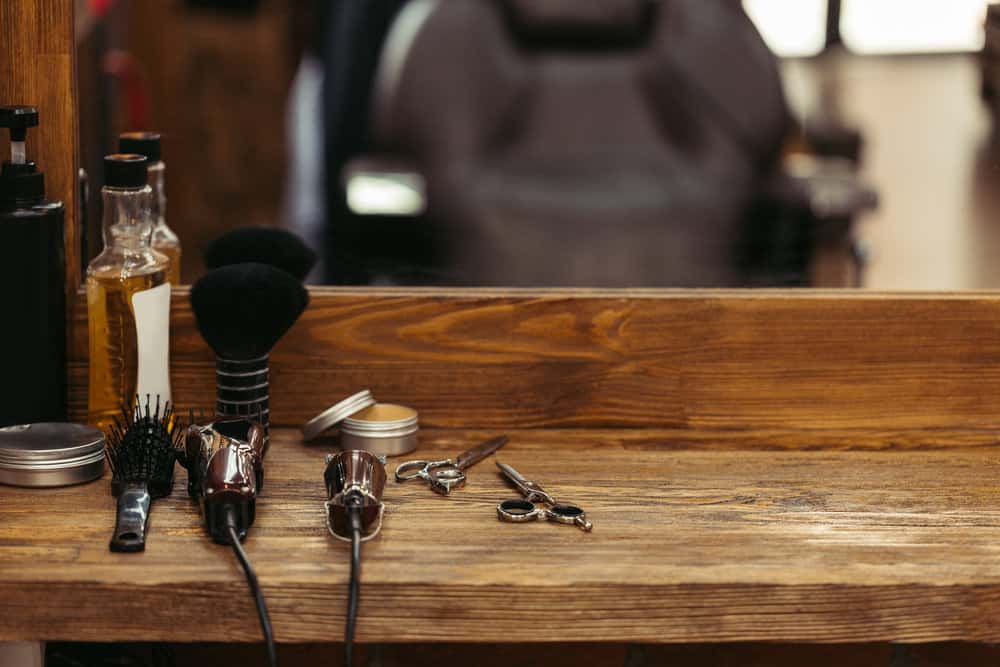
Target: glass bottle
<point>128,299</point>
<point>164,238</point>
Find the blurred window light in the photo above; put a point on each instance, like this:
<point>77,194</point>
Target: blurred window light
<point>386,193</point>
<point>912,26</point>
<point>790,27</point>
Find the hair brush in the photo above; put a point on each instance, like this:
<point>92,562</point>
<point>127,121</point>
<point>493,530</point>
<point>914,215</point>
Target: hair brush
<point>263,245</point>
<point>141,450</point>
<point>242,310</point>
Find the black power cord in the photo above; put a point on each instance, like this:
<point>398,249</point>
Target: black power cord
<point>354,519</point>
<point>258,595</point>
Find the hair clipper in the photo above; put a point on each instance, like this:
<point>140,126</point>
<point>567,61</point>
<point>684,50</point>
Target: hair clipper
<point>354,480</point>
<point>225,473</point>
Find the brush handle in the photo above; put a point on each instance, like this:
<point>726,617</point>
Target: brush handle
<point>130,521</point>
<point>242,389</point>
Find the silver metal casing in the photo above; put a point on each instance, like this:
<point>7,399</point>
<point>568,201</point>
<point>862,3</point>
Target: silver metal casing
<point>384,429</point>
<point>50,454</point>
<point>335,414</point>
<point>392,437</point>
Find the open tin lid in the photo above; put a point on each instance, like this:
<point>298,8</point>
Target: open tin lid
<point>335,414</point>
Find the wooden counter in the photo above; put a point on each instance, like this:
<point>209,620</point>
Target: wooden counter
<point>760,466</point>
<point>711,542</point>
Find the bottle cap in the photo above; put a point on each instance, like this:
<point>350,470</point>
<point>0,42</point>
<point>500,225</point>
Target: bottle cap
<point>125,170</point>
<point>21,184</point>
<point>18,119</point>
<point>141,143</point>
<point>20,181</point>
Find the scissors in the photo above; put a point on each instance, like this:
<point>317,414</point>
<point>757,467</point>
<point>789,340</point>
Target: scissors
<point>519,511</point>
<point>446,474</point>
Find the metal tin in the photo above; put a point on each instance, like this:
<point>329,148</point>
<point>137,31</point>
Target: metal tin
<point>50,454</point>
<point>384,428</point>
<point>335,414</point>
<point>381,428</point>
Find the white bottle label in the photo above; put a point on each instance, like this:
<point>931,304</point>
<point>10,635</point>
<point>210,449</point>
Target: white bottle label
<point>152,335</point>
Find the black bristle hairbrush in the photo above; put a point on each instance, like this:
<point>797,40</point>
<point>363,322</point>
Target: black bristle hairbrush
<point>141,451</point>
<point>242,310</point>
<point>262,245</point>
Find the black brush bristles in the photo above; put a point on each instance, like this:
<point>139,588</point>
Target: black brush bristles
<point>243,309</point>
<point>263,245</point>
<point>143,447</point>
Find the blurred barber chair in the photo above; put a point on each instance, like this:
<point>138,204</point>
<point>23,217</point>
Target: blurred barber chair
<point>607,143</point>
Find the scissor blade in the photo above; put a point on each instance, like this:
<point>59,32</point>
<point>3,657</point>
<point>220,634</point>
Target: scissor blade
<point>512,474</point>
<point>477,454</point>
<point>532,491</point>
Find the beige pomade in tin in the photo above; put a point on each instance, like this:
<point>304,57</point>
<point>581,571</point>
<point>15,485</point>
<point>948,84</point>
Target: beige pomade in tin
<point>386,429</point>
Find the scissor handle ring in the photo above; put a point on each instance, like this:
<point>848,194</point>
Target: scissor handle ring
<point>517,511</point>
<point>569,515</point>
<point>412,470</point>
<point>447,472</point>
<point>444,478</point>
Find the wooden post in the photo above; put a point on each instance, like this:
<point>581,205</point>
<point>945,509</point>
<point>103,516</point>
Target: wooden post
<point>38,67</point>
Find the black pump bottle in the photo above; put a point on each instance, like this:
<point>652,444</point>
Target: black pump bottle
<point>33,285</point>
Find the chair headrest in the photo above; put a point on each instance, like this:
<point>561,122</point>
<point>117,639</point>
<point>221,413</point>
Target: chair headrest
<point>568,19</point>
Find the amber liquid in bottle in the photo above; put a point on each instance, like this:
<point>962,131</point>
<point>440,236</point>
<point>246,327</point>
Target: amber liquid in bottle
<point>114,349</point>
<point>128,266</point>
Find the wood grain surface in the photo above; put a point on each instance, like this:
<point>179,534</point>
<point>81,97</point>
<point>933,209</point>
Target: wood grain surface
<point>219,83</point>
<point>38,68</point>
<point>669,360</point>
<point>687,546</point>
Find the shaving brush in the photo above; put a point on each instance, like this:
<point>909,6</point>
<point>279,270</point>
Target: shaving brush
<point>263,245</point>
<point>242,310</point>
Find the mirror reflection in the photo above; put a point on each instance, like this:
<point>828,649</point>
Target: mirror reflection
<point>615,143</point>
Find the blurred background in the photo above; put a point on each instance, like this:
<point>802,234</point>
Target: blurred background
<point>806,143</point>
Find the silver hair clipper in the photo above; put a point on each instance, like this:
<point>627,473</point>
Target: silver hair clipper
<point>354,480</point>
<point>225,464</point>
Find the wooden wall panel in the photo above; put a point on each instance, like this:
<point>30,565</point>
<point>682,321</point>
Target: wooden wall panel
<point>673,360</point>
<point>218,83</point>
<point>37,67</point>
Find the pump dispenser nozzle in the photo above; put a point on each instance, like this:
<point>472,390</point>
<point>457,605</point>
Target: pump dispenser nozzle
<point>18,119</point>
<point>20,181</point>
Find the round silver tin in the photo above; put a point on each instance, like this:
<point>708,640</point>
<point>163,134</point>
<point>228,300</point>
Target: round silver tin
<point>384,428</point>
<point>381,428</point>
<point>335,414</point>
<point>50,454</point>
